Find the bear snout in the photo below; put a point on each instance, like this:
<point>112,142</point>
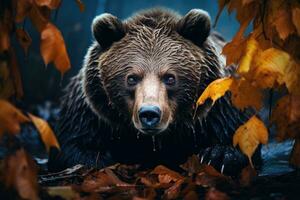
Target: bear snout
<point>149,117</point>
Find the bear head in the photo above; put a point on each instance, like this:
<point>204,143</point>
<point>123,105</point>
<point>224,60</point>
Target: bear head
<point>151,68</point>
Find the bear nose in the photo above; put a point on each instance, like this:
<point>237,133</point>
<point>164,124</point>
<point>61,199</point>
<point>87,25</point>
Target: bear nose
<point>149,116</point>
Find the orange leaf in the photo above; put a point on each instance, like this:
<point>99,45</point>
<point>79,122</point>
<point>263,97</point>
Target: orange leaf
<point>244,94</point>
<point>250,135</point>
<point>24,39</point>
<point>53,48</point>
<point>52,4</point>
<point>215,90</point>
<point>80,5</point>
<point>234,49</point>
<point>39,17</point>
<point>23,9</point>
<point>166,175</point>
<point>45,131</point>
<point>10,118</point>
<point>283,23</point>
<point>4,38</point>
<point>286,116</point>
<point>21,174</point>
<point>296,18</point>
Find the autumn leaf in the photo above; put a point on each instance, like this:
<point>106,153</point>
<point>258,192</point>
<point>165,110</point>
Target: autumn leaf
<point>215,90</point>
<point>45,131</point>
<point>80,5</point>
<point>296,17</point>
<point>10,118</point>
<point>238,42</point>
<point>251,50</point>
<point>24,39</point>
<point>245,94</point>
<point>52,4</point>
<point>22,9</point>
<point>286,117</point>
<point>166,175</point>
<point>4,37</point>
<point>249,135</point>
<point>21,174</point>
<point>53,48</point>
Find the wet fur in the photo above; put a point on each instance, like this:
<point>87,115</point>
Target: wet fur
<point>95,128</point>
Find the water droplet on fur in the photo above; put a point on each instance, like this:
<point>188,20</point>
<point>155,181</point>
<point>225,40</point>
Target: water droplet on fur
<point>194,137</point>
<point>153,143</point>
<point>138,135</point>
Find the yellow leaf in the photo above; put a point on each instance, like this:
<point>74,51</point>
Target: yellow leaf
<point>252,48</point>
<point>250,135</point>
<point>10,118</point>
<point>53,48</point>
<point>45,131</point>
<point>270,67</point>
<point>215,90</point>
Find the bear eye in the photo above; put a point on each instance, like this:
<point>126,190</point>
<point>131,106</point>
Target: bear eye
<point>132,80</point>
<point>169,79</point>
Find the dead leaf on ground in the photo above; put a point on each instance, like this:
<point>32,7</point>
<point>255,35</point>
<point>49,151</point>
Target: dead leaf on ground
<point>21,174</point>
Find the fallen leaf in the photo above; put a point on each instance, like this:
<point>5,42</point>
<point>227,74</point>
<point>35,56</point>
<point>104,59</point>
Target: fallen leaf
<point>53,48</point>
<point>247,176</point>
<point>214,194</point>
<point>24,39</point>
<point>47,135</point>
<point>173,192</point>
<point>192,165</point>
<point>166,175</point>
<point>21,174</point>
<point>249,135</point>
<point>10,118</point>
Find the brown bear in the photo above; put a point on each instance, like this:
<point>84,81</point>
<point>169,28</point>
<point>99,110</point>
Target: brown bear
<point>134,99</point>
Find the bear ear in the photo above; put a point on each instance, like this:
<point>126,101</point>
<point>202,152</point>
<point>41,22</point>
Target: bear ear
<point>107,29</point>
<point>195,26</point>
